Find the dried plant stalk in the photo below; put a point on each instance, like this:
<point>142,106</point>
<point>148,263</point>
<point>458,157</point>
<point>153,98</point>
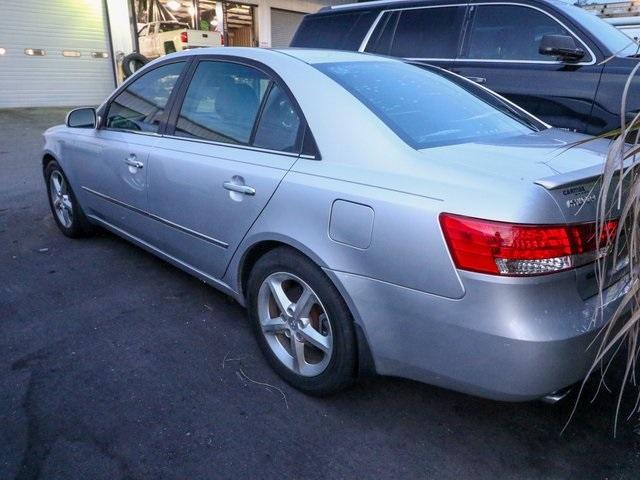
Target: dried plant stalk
<point>619,196</point>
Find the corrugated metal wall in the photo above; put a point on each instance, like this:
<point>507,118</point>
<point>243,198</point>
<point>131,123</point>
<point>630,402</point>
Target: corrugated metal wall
<point>283,25</point>
<point>54,26</point>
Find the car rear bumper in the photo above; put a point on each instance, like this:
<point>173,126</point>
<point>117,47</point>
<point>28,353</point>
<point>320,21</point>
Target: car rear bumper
<point>506,339</point>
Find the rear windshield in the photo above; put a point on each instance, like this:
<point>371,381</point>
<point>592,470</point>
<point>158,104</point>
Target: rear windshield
<point>426,109</point>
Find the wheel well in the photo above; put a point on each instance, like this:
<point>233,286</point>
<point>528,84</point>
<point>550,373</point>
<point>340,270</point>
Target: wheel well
<point>365,363</point>
<point>46,159</point>
<point>252,256</point>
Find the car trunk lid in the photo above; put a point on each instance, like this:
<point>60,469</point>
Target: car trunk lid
<point>577,194</point>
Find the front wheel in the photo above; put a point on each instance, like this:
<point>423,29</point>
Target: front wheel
<point>64,206</point>
<point>302,324</point>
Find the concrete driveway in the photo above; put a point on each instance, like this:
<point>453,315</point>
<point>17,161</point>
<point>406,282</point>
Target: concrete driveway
<point>115,365</point>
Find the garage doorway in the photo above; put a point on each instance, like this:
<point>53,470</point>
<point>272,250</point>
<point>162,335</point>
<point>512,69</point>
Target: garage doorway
<point>54,54</point>
<point>284,24</point>
<point>240,24</point>
<point>167,26</point>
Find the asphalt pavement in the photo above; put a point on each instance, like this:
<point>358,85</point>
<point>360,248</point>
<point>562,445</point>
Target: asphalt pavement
<point>115,365</point>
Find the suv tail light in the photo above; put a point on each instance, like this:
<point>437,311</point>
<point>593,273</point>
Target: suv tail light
<point>511,249</point>
<point>184,37</point>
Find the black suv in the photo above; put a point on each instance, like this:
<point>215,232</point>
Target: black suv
<point>557,61</point>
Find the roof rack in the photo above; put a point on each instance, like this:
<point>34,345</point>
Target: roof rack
<point>363,4</point>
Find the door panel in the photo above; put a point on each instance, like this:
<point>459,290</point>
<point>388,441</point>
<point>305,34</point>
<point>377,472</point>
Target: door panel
<point>112,161</point>
<point>209,181</point>
<point>200,221</point>
<point>501,52</point>
<point>113,176</point>
<point>560,95</point>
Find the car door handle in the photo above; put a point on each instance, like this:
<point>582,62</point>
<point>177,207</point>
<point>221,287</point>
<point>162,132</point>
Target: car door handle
<point>234,187</point>
<point>480,80</point>
<point>132,162</point>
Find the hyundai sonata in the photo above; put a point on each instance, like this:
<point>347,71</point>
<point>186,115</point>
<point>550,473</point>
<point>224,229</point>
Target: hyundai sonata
<point>369,213</point>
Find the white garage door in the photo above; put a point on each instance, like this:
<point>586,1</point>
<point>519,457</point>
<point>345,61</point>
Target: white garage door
<point>283,25</point>
<point>74,68</point>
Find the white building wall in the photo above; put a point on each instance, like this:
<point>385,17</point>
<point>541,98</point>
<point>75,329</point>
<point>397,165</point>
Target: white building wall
<point>302,6</point>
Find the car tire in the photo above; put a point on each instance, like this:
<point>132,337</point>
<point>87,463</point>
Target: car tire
<point>328,360</point>
<point>64,205</point>
<point>132,63</point>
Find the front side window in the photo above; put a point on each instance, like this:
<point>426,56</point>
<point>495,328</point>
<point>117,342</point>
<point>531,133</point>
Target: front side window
<point>222,102</point>
<point>279,123</point>
<point>140,107</point>
<point>424,108</point>
<point>510,32</point>
<point>428,33</point>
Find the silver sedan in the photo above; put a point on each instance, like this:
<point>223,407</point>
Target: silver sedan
<point>370,214</point>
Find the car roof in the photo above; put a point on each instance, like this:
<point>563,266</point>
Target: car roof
<point>314,56</point>
<point>381,4</point>
<point>310,56</point>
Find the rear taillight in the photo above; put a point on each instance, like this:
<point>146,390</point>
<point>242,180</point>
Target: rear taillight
<point>512,249</point>
<point>184,37</point>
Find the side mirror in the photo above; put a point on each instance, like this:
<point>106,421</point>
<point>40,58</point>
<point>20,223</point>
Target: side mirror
<point>562,46</point>
<point>81,118</point>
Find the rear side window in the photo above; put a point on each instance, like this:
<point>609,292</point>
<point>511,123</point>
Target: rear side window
<point>510,32</point>
<point>427,33</point>
<point>222,102</point>
<point>341,32</point>
<point>141,106</point>
<point>279,123</point>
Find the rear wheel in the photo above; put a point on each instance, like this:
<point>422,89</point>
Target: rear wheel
<point>65,208</point>
<point>302,324</point>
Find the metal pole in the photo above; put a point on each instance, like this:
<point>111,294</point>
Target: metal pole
<point>110,42</point>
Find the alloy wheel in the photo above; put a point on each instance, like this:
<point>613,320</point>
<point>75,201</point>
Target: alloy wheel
<point>295,324</point>
<point>60,198</point>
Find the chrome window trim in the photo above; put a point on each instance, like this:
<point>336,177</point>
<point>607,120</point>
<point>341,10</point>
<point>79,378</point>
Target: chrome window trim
<point>240,146</point>
<point>212,142</point>
<point>367,37</point>
<point>485,60</point>
<point>136,132</point>
<point>201,236</point>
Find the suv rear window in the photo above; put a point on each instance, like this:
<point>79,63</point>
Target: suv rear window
<point>341,32</point>
<point>428,33</point>
<point>426,109</point>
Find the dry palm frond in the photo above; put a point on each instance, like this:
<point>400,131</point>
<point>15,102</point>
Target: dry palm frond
<point>619,196</point>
